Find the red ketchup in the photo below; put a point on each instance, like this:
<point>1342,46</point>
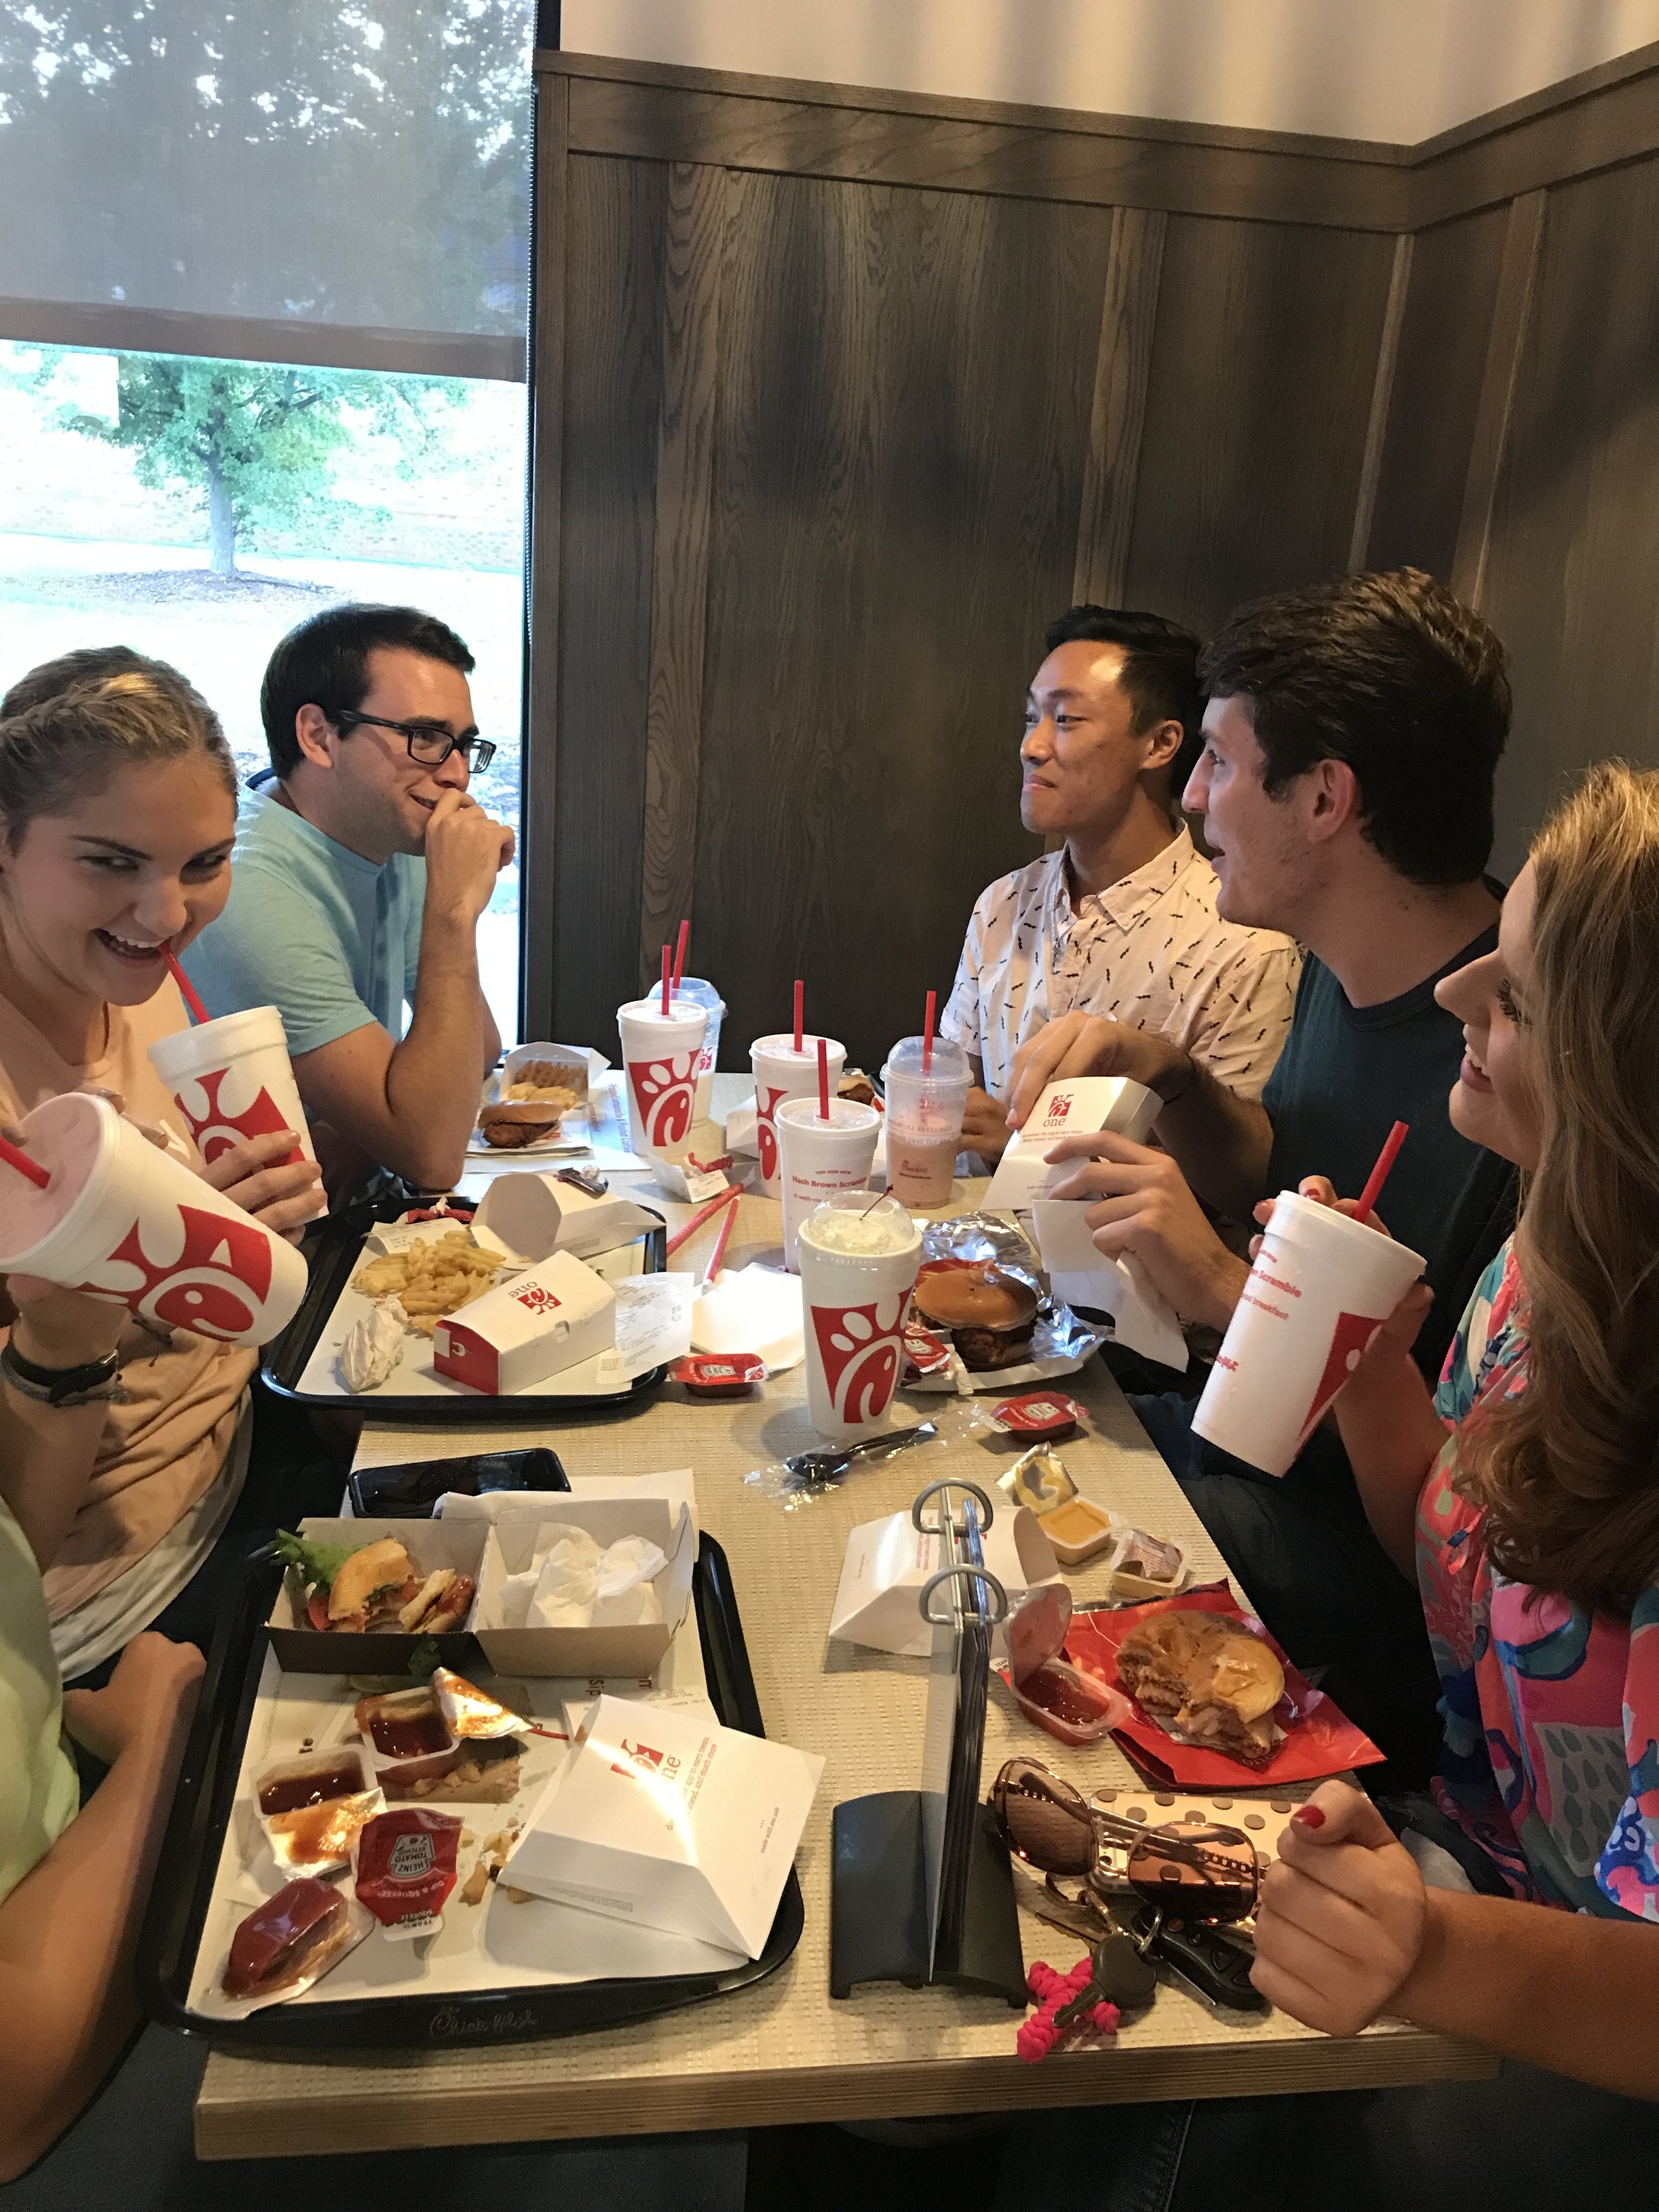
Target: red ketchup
<point>1038,1413</point>
<point>409,1735</point>
<point>406,1868</point>
<point>724,1375</point>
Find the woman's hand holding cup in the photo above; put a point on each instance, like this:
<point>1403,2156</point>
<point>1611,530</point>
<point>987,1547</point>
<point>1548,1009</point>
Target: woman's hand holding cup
<point>1396,1336</point>
<point>257,1175</point>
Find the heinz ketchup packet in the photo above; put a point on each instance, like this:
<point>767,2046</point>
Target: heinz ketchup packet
<point>406,1868</point>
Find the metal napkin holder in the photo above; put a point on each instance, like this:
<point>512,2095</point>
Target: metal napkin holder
<point>922,1889</point>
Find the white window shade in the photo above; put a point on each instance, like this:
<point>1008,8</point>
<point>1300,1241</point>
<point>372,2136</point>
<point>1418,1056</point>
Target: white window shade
<point>345,182</point>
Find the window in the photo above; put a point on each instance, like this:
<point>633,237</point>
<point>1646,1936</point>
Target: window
<point>312,219</point>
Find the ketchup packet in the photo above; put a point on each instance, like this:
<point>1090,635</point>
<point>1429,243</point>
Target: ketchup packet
<point>1044,1413</point>
<point>406,1868</point>
<point>924,1352</point>
<point>718,1375</point>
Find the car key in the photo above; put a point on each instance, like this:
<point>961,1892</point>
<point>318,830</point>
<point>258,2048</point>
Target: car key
<point>1123,1976</point>
<point>1216,1972</point>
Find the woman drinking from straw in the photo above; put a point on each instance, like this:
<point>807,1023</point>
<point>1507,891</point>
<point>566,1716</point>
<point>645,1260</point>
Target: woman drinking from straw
<point>118,807</point>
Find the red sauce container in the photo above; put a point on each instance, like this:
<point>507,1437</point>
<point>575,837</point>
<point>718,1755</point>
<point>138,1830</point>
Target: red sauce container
<point>406,1866</point>
<point>1045,1414</point>
<point>718,1375</point>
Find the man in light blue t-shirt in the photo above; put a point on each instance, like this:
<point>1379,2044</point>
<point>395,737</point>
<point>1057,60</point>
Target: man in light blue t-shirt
<point>360,871</point>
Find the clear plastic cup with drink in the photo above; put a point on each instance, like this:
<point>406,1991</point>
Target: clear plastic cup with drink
<point>927,1083</point>
<point>231,1079</point>
<point>696,992</point>
<point>1320,1284</point>
<point>859,1258</point>
<point>782,1072</point>
<point>660,1053</point>
<point>124,1221</point>
<point>817,1158</point>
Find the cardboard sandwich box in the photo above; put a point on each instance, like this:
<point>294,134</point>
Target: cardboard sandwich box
<point>553,1316</point>
<point>531,1217</point>
<point>302,1649</point>
<point>1081,1106</point>
<point>665,1818</point>
<point>633,1648</point>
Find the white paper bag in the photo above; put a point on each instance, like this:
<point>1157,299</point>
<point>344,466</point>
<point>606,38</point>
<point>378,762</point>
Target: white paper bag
<point>888,1562</point>
<point>1081,1107</point>
<point>661,1818</point>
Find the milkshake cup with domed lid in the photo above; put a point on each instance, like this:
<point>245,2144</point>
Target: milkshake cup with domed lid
<point>859,1258</point>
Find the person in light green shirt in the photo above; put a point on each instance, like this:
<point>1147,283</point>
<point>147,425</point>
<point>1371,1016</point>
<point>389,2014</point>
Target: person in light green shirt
<point>73,1879</point>
<point>40,1790</point>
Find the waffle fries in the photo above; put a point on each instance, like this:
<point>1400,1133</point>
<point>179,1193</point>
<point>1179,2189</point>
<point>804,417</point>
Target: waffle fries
<point>430,1279</point>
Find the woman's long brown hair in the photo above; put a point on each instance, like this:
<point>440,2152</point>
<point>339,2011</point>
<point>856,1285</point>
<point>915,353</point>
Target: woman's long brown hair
<point>1568,1473</point>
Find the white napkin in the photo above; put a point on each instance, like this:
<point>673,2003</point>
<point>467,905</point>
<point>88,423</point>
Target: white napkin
<point>572,1583</point>
<point>624,1595</point>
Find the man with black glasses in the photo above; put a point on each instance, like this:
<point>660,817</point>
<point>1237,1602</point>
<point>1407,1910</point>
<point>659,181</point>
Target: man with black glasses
<point>361,867</point>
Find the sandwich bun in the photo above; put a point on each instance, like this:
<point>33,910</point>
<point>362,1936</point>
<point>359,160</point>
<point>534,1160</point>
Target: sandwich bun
<point>1206,1678</point>
<point>384,1565</point>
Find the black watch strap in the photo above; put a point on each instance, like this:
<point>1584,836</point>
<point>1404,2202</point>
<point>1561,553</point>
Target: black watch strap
<point>61,1386</point>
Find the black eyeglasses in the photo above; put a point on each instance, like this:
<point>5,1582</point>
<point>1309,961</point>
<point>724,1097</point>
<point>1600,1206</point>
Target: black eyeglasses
<point>429,743</point>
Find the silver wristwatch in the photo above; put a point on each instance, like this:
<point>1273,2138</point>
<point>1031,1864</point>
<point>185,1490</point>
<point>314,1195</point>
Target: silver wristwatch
<point>94,1380</point>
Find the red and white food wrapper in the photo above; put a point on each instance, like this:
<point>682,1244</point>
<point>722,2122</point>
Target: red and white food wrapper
<point>1319,1738</point>
<point>405,1867</point>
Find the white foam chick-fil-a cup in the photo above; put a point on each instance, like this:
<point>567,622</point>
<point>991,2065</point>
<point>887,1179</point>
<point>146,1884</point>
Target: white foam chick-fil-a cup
<point>1319,1287</point>
<point>123,1221</point>
<point>231,1079</point>
<point>785,1070</point>
<point>661,1052</point>
<point>859,1258</point>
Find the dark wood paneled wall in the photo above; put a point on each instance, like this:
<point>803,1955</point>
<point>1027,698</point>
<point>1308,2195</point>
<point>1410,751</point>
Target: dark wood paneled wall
<point>841,395</point>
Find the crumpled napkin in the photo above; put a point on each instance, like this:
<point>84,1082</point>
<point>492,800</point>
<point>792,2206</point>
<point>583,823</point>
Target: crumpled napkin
<point>572,1583</point>
<point>373,1347</point>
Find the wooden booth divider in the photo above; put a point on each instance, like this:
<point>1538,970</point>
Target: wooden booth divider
<point>840,395</point>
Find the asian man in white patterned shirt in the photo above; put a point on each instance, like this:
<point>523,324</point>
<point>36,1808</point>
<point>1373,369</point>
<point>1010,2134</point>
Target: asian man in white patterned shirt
<point>1121,919</point>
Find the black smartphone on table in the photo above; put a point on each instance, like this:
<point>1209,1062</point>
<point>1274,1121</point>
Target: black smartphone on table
<point>409,1490</point>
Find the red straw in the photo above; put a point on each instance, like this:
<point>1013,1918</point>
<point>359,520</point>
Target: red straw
<point>800,1010</point>
<point>1379,1174</point>
<point>927,1031</point>
<point>703,1214</point>
<point>667,958</point>
<point>824,1078</point>
<point>719,1252</point>
<point>187,990</point>
<point>679,951</point>
<point>876,1200</point>
<point>24,1165</point>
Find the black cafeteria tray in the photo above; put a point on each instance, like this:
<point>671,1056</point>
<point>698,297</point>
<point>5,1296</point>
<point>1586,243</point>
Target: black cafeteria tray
<point>333,1255</point>
<point>515,2013</point>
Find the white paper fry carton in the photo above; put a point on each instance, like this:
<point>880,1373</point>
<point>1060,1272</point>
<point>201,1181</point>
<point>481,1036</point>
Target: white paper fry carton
<point>549,1318</point>
<point>531,1217</point>
<point>888,1561</point>
<point>668,1820</point>
<point>1080,1107</point>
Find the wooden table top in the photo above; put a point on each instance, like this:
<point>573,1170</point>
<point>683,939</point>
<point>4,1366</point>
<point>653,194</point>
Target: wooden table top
<point>784,2051</point>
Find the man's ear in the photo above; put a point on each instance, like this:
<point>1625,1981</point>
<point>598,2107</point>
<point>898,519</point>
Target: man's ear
<point>1332,799</point>
<point>315,737</point>
<point>1163,742</point>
